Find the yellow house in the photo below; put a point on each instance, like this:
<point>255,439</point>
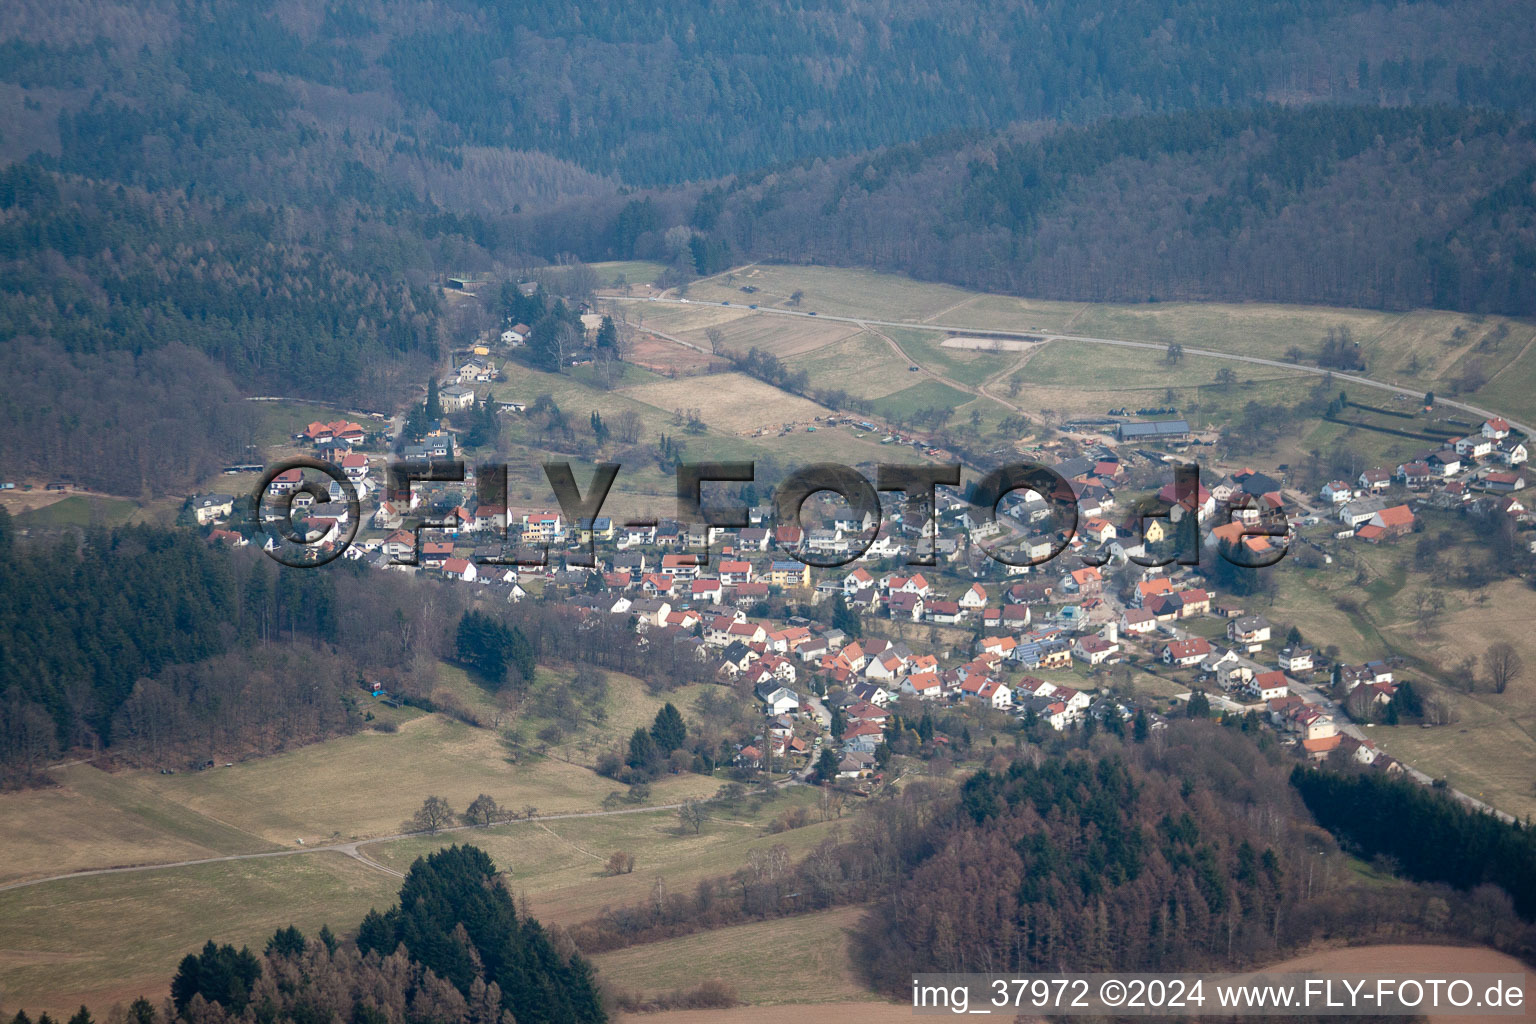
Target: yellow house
<point>789,574</point>
<point>600,528</point>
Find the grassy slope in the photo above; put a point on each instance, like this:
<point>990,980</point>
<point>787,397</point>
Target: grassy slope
<point>109,938</point>
<point>791,960</point>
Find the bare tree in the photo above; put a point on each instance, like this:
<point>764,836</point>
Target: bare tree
<point>621,863</point>
<point>1503,665</point>
<point>692,814</point>
<point>433,817</point>
<point>627,426</point>
<point>483,810</point>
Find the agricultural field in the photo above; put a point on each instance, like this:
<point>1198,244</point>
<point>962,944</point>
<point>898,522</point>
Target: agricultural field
<point>1432,349</point>
<point>863,365</point>
<point>740,329</point>
<point>732,402</point>
<point>790,960</point>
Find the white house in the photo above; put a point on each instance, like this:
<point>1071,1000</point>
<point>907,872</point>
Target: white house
<point>1296,659</point>
<point>778,700</point>
<point>1337,492</point>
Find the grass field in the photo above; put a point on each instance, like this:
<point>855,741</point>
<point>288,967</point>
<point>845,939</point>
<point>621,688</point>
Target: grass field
<point>927,394</point>
<point>966,366</point>
<point>82,510</point>
<point>1078,379</point>
<point>107,938</point>
<point>739,327</point>
<point>1427,348</point>
<point>279,421</point>
<point>634,272</point>
<point>791,960</point>
<point>560,864</point>
<point>834,290</point>
<point>110,938</point>
<point>372,782</point>
<point>864,366</point>
<point>95,820</point>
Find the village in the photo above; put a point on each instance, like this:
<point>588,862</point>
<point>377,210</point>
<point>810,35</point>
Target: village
<point>1054,644</point>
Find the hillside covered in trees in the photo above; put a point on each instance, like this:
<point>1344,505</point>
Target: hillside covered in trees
<point>1344,205</point>
<point>224,199</point>
<point>162,650</point>
<point>1188,851</point>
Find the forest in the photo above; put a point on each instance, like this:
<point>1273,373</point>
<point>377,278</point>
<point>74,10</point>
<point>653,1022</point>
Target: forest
<point>161,650</point>
<point>1425,833</point>
<point>1345,205</point>
<point>234,201</point>
<point>1184,850</point>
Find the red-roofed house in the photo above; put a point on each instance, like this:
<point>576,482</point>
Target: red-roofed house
<point>459,568</point>
<point>1185,653</point>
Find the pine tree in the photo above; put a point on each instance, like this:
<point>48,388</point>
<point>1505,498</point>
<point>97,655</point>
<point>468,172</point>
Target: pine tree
<point>846,619</point>
<point>643,752</point>
<point>287,941</point>
<point>826,766</point>
<point>668,731</point>
<point>608,334</point>
<point>434,405</point>
<point>1141,728</point>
